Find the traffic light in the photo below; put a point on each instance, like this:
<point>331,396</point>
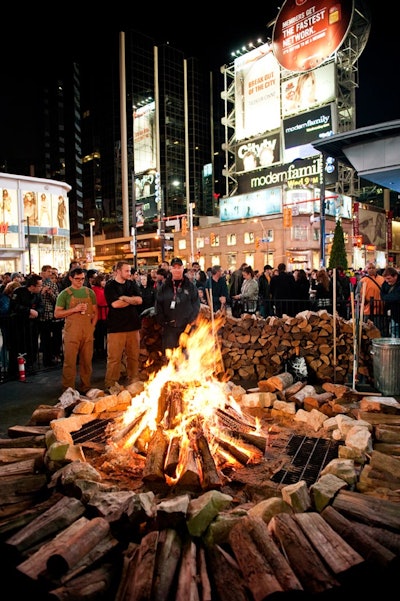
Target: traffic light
<point>212,239</point>
<point>358,241</point>
<point>257,243</point>
<point>287,217</point>
<point>184,226</point>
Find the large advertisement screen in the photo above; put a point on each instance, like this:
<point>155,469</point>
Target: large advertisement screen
<point>307,33</point>
<point>254,204</point>
<point>144,138</point>
<point>257,93</point>
<point>303,92</point>
<point>299,131</point>
<point>259,152</point>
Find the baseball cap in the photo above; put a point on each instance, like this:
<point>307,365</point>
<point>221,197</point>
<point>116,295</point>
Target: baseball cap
<point>176,261</point>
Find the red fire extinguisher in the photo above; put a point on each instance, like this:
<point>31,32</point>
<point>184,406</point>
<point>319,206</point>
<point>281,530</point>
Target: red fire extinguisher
<point>21,367</point>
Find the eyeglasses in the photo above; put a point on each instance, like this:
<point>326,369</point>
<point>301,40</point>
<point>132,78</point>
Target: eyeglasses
<point>79,279</point>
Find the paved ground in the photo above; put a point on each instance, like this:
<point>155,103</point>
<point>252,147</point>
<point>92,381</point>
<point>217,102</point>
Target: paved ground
<point>18,400</point>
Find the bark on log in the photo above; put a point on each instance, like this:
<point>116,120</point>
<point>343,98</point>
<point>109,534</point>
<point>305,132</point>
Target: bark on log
<point>87,587</point>
<point>305,561</point>
<point>168,555</point>
<point>264,542</point>
<point>369,510</point>
<point>187,579</point>
<point>211,479</point>
<point>56,518</point>
<point>226,575</point>
<point>44,414</point>
<point>66,555</point>
<point>153,470</point>
<point>23,441</point>
<point>141,587</point>
<point>341,558</point>
<point>372,551</point>
<point>172,458</point>
<point>258,574</point>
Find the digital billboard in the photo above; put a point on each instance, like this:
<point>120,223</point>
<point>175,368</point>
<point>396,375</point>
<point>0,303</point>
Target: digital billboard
<point>144,138</point>
<point>303,92</point>
<point>300,130</point>
<point>259,152</point>
<point>257,93</point>
<point>254,204</point>
<point>308,32</point>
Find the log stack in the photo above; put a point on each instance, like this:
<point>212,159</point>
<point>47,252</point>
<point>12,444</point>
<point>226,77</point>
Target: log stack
<point>71,535</point>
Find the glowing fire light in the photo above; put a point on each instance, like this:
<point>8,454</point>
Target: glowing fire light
<point>195,394</point>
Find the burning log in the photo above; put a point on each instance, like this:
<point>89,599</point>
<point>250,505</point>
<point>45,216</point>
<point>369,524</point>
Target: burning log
<point>170,404</point>
<point>191,474</point>
<point>123,434</point>
<point>172,459</point>
<point>239,455</point>
<point>210,474</point>
<point>153,470</point>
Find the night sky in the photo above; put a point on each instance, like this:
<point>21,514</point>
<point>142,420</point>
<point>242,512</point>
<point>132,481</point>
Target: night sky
<point>29,50</point>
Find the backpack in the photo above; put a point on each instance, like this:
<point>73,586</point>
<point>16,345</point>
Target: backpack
<point>4,304</point>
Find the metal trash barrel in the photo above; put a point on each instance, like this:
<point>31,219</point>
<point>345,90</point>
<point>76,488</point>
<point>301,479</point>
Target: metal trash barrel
<point>386,365</point>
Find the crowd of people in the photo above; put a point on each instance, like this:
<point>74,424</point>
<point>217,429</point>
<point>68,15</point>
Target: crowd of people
<point>74,317</point>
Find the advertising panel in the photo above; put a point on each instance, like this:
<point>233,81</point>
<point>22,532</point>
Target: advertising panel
<point>255,204</point>
<point>257,93</point>
<point>309,89</point>
<point>307,33</point>
<point>294,175</point>
<point>9,207</point>
<point>371,225</point>
<point>261,152</point>
<point>144,138</point>
<point>300,130</point>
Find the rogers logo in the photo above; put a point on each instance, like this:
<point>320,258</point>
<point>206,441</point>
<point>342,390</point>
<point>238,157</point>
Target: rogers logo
<point>300,2</point>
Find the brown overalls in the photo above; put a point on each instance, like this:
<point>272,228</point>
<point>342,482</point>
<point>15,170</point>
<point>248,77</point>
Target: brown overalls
<point>78,343</point>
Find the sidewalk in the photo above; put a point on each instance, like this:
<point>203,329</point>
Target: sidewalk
<point>18,400</point>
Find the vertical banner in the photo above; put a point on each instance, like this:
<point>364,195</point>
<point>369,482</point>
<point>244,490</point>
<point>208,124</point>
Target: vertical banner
<point>356,219</point>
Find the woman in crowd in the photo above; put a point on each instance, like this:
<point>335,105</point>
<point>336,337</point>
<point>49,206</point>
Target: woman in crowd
<point>249,291</point>
<point>100,330</point>
<point>324,291</point>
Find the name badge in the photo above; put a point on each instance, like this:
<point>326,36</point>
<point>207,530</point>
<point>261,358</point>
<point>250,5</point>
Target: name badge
<point>172,305</point>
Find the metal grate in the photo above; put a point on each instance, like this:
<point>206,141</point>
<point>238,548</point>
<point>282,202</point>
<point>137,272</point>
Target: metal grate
<point>309,457</point>
<point>93,431</point>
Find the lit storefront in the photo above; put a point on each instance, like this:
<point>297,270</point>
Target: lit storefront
<point>34,224</point>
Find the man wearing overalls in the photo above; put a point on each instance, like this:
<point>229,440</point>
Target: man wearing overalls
<point>77,305</point>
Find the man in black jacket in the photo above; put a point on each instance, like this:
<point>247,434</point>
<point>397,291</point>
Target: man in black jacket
<point>177,305</point>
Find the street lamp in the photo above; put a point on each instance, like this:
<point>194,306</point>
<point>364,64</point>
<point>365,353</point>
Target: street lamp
<point>92,221</point>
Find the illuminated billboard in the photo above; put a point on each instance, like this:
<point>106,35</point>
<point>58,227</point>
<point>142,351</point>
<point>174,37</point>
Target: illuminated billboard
<point>257,93</point>
<point>259,152</point>
<point>303,92</point>
<point>255,204</point>
<point>299,131</point>
<point>307,33</point>
<point>144,138</point>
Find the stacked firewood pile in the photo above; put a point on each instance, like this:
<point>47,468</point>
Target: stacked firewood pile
<point>254,348</point>
<point>69,531</point>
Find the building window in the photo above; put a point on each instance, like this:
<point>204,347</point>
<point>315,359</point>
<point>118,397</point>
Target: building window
<point>199,242</point>
<point>249,238</point>
<point>182,244</point>
<point>300,232</point>
<point>231,240</point>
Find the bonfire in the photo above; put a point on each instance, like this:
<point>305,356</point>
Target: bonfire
<point>186,422</point>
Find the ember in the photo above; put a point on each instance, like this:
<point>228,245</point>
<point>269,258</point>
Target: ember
<point>187,421</point>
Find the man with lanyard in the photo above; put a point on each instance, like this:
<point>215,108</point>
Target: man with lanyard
<point>77,305</point>
<point>123,325</point>
<point>177,305</point>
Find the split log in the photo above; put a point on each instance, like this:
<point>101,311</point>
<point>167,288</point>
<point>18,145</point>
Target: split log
<point>341,558</point>
<point>141,586</point>
<point>280,381</point>
<point>67,554</point>
<point>20,488</point>
<point>153,470</point>
<point>191,475</point>
<point>387,433</point>
<point>13,524</point>
<point>372,551</point>
<point>169,550</point>
<point>387,538</point>
<point>187,579</point>
<point>204,579</point>
<point>22,431</point>
<point>29,466</point>
<point>367,509</point>
<point>388,448</point>
<point>23,441</point>
<point>374,418</point>
<point>172,458</point>
<point>305,561</point>
<point>20,454</point>
<point>385,467</point>
<point>211,479</point>
<point>44,414</point>
<point>89,586</point>
<point>260,442</point>
<point>226,575</point>
<point>264,542</point>
<point>259,576</point>
<point>56,518</point>
<point>236,453</point>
